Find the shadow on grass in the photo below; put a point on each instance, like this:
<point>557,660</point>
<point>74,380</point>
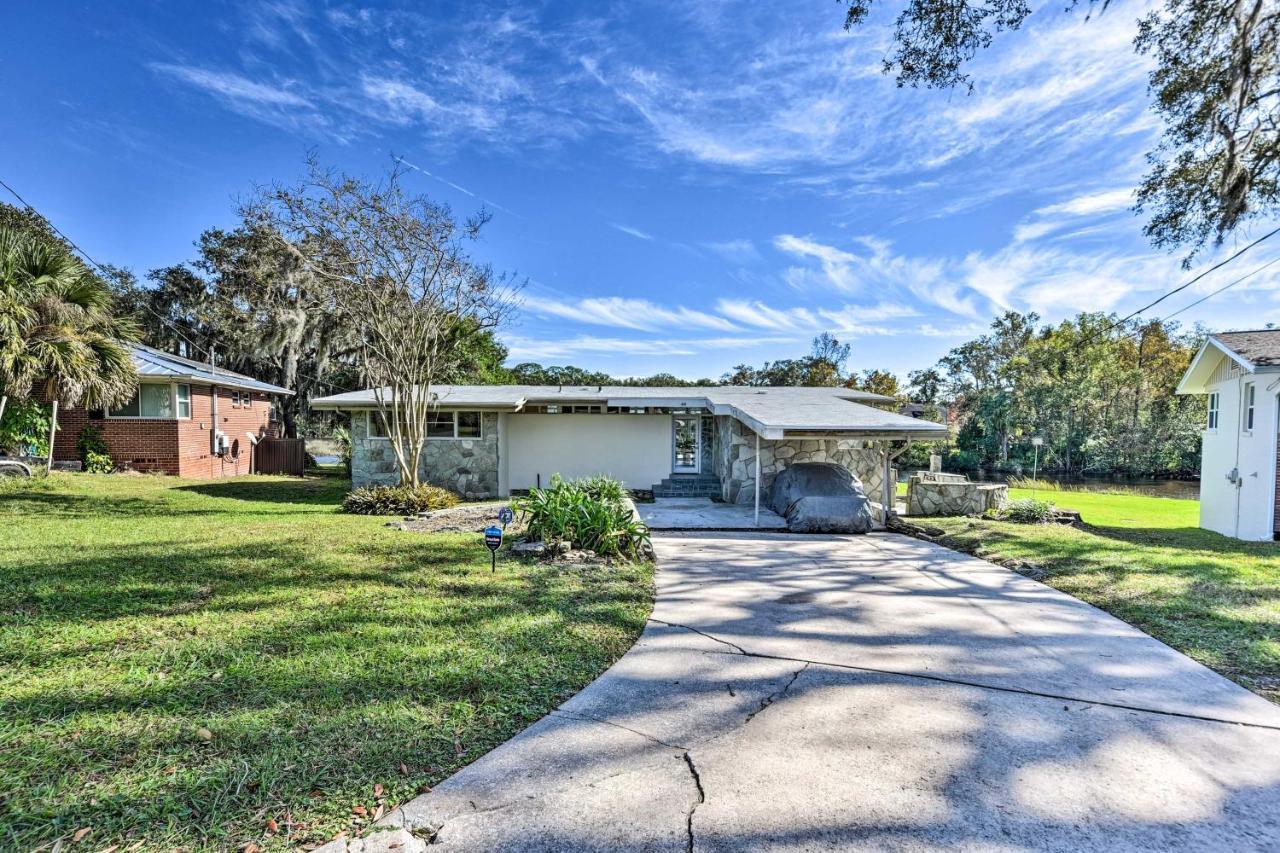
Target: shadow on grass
<point>312,490</point>
<point>319,666</point>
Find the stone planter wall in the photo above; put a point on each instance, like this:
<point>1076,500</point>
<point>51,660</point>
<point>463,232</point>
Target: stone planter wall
<point>468,466</point>
<point>734,454</point>
<point>926,497</point>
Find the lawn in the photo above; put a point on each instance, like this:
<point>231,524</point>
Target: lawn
<point>1145,560</point>
<point>206,665</point>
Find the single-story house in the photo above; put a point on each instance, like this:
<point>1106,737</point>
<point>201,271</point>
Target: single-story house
<point>490,440</point>
<point>187,418</point>
<point>1240,374</point>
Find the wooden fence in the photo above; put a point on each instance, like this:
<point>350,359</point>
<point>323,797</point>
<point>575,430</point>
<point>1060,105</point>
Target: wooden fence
<point>281,456</point>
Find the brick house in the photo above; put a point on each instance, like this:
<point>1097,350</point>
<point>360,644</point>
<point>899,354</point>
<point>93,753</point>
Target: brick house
<point>187,419</point>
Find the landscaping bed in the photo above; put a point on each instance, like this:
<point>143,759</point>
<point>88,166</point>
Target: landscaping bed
<point>1145,560</point>
<point>208,665</point>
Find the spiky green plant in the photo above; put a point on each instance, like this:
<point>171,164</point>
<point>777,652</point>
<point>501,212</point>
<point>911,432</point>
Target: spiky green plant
<point>58,336</point>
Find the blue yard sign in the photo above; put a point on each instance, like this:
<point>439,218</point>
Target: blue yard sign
<point>493,539</point>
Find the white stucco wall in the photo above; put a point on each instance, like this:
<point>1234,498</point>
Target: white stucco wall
<point>635,449</point>
<point>1245,511</point>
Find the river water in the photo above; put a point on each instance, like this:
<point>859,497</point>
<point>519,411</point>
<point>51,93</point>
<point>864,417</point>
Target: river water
<point>1181,489</point>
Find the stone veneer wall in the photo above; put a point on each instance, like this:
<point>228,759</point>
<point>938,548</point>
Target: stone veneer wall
<point>734,449</point>
<point>468,466</point>
<point>944,495</point>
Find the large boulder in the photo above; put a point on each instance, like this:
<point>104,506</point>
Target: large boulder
<point>821,497</point>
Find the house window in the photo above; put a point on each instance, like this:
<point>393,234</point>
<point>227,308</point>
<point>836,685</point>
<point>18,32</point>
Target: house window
<point>439,425</point>
<point>1248,407</point>
<point>183,395</point>
<point>246,400</point>
<point>151,400</point>
<point>468,424</point>
<point>235,399</point>
<point>1213,412</point>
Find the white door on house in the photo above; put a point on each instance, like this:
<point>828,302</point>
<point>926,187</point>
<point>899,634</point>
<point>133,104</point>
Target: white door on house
<point>687,444</point>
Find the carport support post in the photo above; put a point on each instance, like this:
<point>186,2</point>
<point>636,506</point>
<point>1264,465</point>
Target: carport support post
<point>757,479</point>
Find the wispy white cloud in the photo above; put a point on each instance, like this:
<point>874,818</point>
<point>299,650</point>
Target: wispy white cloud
<point>521,347</point>
<point>234,88</point>
<point>619,312</point>
<point>1050,218</point>
<point>739,251</point>
<point>634,232</point>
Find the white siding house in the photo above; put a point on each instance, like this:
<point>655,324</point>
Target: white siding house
<point>1239,372</point>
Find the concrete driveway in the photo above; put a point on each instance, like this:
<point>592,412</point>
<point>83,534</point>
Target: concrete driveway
<point>873,692</point>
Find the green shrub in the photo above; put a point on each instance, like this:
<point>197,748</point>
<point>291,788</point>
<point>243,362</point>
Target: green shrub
<point>342,436</point>
<point>398,500</point>
<point>25,429</point>
<point>604,489</point>
<point>592,514</point>
<point>98,463</point>
<point>95,456</point>
<point>1028,511</point>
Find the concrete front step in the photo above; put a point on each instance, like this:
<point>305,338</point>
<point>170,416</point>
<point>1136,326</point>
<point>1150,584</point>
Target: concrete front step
<point>687,486</point>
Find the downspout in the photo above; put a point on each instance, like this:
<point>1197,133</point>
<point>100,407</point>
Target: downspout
<point>1275,459</point>
<point>757,479</point>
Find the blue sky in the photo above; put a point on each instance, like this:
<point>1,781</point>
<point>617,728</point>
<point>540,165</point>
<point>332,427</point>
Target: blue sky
<point>685,185</point>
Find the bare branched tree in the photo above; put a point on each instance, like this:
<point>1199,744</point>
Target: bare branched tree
<point>398,266</point>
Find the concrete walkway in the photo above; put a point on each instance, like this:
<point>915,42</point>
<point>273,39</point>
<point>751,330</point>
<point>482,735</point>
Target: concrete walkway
<point>706,514</point>
<point>871,693</point>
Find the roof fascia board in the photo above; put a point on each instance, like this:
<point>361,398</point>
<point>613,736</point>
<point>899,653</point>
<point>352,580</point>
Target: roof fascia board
<point>1188,385</point>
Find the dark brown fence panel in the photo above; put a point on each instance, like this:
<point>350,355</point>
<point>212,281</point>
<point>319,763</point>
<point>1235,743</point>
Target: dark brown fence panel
<point>282,456</point>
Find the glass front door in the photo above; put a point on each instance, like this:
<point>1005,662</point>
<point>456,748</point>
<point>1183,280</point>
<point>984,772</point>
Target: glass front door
<point>687,443</point>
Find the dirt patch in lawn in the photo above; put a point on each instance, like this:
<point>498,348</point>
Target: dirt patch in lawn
<point>466,518</point>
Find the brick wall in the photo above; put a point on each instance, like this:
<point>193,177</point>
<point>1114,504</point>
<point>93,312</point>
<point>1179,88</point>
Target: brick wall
<point>196,457</point>
<point>182,447</point>
<point>142,444</point>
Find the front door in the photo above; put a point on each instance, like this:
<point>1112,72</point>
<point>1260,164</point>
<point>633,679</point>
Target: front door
<point>687,444</point>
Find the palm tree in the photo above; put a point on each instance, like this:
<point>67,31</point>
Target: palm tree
<point>58,336</point>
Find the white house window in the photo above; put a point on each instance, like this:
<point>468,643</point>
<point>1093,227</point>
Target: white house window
<point>246,400</point>
<point>468,424</point>
<point>182,393</point>
<point>377,426</point>
<point>1213,411</point>
<point>151,400</point>
<point>439,425</point>
<point>1248,407</point>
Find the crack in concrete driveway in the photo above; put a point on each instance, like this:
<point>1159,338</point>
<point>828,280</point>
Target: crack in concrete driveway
<point>939,701</point>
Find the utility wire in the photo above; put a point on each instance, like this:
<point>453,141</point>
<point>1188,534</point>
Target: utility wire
<point>1226,286</point>
<point>107,271</point>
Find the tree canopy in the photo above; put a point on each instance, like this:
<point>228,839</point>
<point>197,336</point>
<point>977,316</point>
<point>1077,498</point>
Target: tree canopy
<point>1216,85</point>
<point>59,336</point>
<point>1100,394</point>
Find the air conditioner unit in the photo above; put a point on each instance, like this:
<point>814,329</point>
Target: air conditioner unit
<point>221,444</point>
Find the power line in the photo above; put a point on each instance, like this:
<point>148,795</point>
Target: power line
<point>107,271</point>
<point>1187,284</point>
<point>1226,286</point>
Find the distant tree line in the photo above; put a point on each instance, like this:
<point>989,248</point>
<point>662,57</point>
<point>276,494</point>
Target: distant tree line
<point>1099,393</point>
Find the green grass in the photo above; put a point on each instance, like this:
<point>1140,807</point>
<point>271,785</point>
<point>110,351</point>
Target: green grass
<point>321,654</point>
<point>1145,560</point>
